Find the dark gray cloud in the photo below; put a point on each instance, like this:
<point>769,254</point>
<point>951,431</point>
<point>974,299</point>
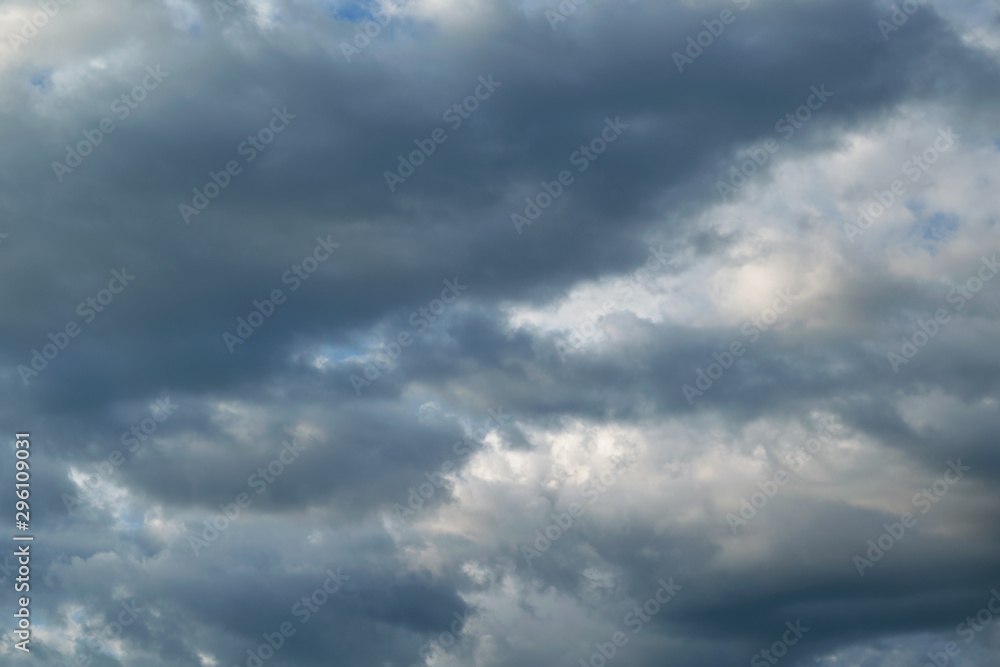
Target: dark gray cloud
<point>408,483</point>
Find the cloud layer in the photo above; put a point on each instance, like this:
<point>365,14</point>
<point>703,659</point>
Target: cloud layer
<point>488,333</point>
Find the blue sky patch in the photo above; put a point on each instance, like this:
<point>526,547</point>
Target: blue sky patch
<point>351,11</point>
<point>42,79</point>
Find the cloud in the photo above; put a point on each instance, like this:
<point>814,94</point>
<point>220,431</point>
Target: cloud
<point>584,329</point>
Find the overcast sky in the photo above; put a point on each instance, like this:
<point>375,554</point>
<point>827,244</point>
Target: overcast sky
<point>503,333</point>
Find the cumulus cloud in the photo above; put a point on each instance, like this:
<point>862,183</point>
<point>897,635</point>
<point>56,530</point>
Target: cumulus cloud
<point>589,326</point>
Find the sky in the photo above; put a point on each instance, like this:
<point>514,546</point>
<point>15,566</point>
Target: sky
<point>495,333</point>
